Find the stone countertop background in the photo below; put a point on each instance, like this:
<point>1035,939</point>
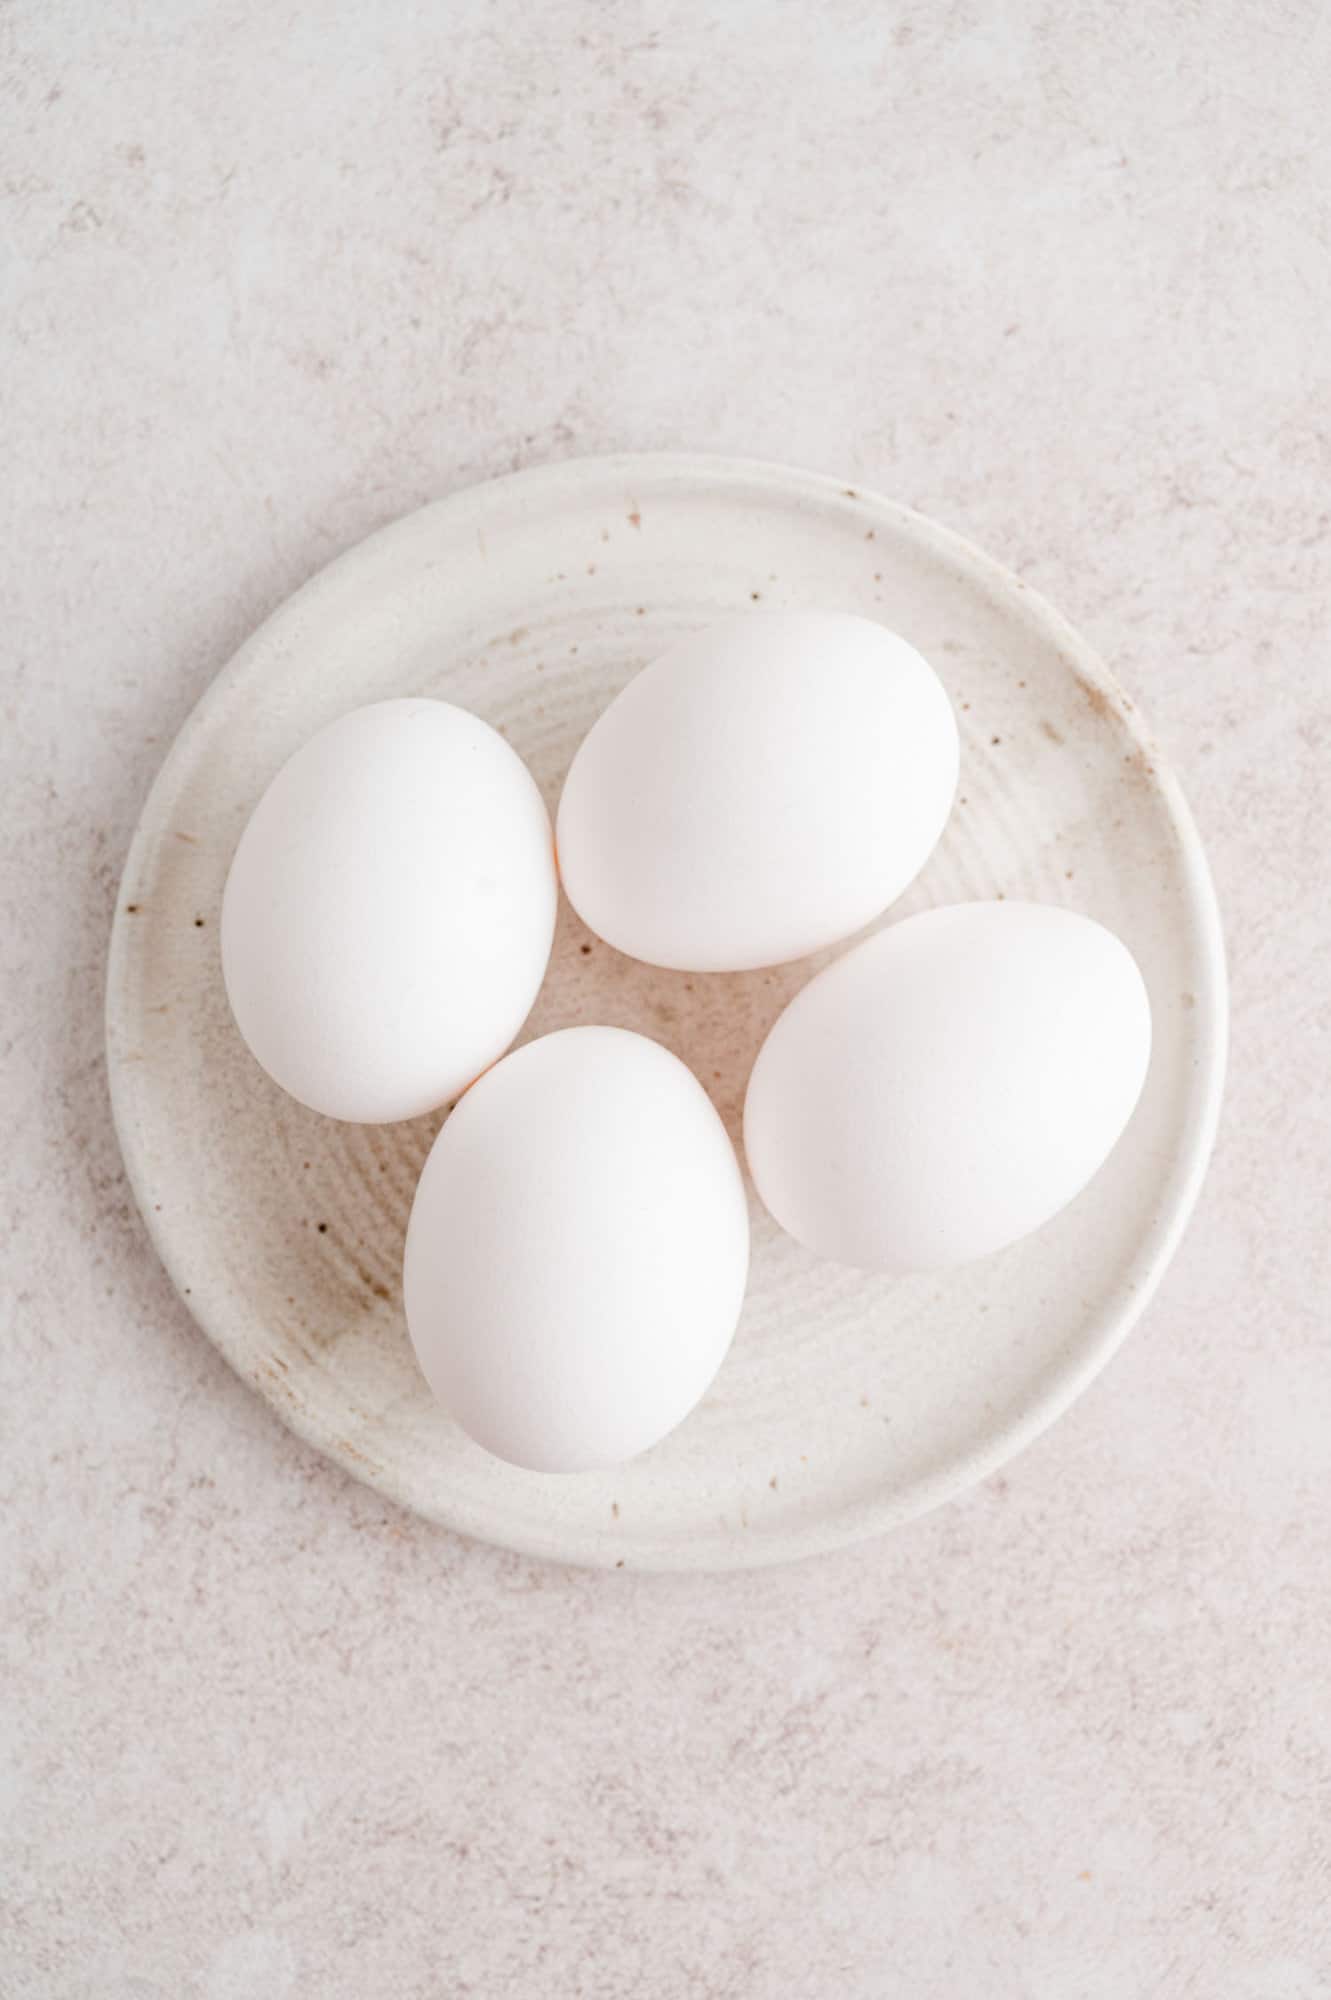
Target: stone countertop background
<point>1059,276</point>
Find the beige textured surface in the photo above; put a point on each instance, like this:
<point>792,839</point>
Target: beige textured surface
<point>1059,277</point>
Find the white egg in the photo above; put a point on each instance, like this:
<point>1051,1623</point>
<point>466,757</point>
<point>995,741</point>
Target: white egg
<point>389,912</point>
<point>763,789</point>
<point>948,1085</point>
<point>577,1251</point>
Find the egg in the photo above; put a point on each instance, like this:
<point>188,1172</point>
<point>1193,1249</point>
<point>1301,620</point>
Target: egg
<point>577,1251</point>
<point>766,787</point>
<point>389,912</point>
<point>948,1085</point>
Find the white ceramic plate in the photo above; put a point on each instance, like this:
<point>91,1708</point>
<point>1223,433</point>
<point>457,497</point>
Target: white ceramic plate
<point>848,1403</point>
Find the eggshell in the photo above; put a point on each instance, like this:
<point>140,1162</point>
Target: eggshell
<point>389,912</point>
<point>763,789</point>
<point>948,1085</point>
<point>577,1251</point>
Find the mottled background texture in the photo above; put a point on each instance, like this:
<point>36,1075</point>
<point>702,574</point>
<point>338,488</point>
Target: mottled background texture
<point>1059,275</point>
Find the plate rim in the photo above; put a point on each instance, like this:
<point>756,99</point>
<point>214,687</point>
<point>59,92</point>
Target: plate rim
<point>1102,1335</point>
